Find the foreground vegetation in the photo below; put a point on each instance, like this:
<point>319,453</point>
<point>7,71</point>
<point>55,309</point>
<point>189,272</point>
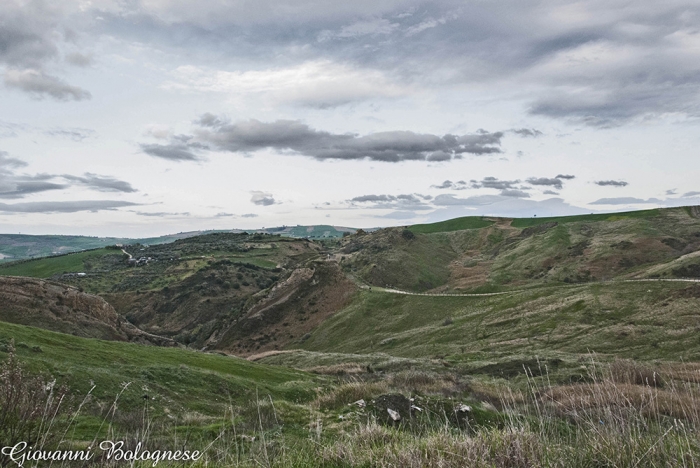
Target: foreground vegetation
<point>622,414</point>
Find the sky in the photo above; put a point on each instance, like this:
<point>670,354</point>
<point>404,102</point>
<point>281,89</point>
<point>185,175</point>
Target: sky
<point>146,117</point>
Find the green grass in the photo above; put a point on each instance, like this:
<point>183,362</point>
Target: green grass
<point>176,378</point>
<point>529,222</point>
<point>457,224</point>
<point>636,320</point>
<point>47,267</point>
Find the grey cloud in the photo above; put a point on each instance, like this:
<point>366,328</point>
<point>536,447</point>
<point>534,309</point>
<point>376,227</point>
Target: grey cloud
<point>494,183</point>
<point>21,186</point>
<point>101,183</point>
<point>160,214</point>
<point>410,201</point>
<point>39,85</point>
<point>550,192</point>
<point>458,43</point>
<point>448,184</point>
<point>445,185</point>
<point>527,132</point>
<point>565,176</point>
<point>22,41</point>
<point>555,182</point>
<point>611,183</point>
<point>515,194</point>
<point>690,194</point>
<point>224,215</point>
<point>249,215</point>
<point>172,152</point>
<point>373,198</point>
<point>63,207</point>
<point>14,185</point>
<point>262,198</point>
<point>6,161</point>
<point>671,192</point>
<point>295,136</point>
<point>624,201</point>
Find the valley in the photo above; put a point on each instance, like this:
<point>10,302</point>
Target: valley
<point>508,317</point>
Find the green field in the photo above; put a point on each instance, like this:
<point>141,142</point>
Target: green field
<point>47,267</point>
<point>529,222</point>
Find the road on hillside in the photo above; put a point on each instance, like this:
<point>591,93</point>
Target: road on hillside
<point>408,293</point>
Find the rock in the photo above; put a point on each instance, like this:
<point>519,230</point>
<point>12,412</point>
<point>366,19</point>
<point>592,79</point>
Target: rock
<point>394,415</point>
<point>392,408</point>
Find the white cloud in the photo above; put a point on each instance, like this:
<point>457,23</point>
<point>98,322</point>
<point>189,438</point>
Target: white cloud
<point>319,83</point>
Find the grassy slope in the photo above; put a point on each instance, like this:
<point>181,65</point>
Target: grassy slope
<point>177,379</point>
<point>47,267</point>
<point>568,249</point>
<point>457,224</point>
<point>528,222</point>
<point>639,320</point>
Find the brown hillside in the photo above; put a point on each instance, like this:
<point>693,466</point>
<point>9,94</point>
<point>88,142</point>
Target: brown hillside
<point>65,309</point>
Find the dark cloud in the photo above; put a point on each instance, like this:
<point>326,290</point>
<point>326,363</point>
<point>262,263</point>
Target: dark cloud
<point>13,185</point>
<point>101,183</point>
<point>494,183</point>
<point>292,135</point>
<point>63,207</point>
<point>22,40</point>
<point>17,185</point>
<point>39,85</point>
<point>565,176</point>
<point>409,201</point>
<point>21,186</point>
<point>448,184</point>
<point>624,201</point>
<point>611,183</point>
<point>554,182</point>
<point>173,152</point>
<point>515,194</point>
<point>671,192</point>
<point>527,132</point>
<point>690,194</point>
<point>262,198</point>
<point>550,192</point>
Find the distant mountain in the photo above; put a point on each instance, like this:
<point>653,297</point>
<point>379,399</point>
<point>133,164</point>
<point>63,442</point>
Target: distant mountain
<point>22,246</point>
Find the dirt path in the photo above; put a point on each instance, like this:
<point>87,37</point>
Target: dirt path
<point>408,293</point>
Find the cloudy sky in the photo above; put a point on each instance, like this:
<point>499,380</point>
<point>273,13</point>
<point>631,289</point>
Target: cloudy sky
<point>144,117</point>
